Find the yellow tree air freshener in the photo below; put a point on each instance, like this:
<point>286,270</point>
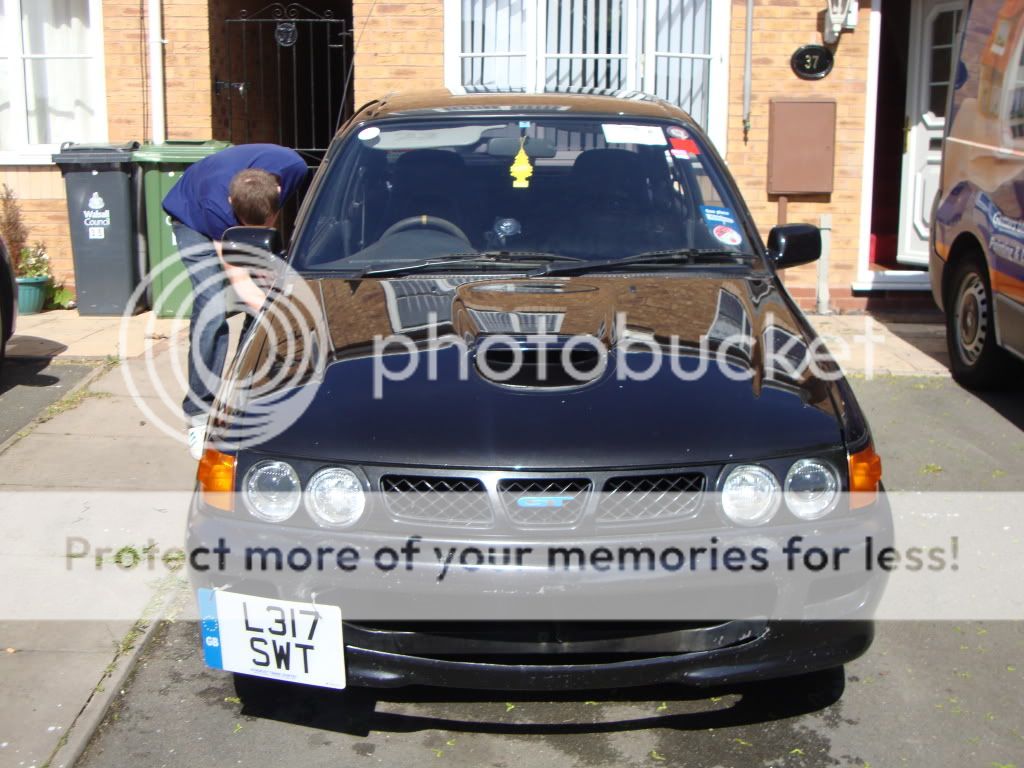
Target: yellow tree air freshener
<point>521,169</point>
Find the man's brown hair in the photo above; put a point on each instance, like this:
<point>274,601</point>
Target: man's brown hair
<point>255,196</point>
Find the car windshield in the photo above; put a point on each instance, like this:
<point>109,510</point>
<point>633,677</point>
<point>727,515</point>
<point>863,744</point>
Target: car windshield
<point>478,193</point>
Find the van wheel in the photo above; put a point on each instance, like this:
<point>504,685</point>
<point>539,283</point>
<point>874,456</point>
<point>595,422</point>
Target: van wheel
<point>975,359</point>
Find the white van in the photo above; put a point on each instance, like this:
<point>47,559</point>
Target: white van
<point>977,236</point>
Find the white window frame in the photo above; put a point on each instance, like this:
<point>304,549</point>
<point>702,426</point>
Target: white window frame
<point>21,152</point>
<point>643,65</point>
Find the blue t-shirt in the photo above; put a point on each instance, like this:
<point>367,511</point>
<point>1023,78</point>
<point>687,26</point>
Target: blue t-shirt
<point>200,199</point>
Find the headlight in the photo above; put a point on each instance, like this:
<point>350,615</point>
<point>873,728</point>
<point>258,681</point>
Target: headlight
<point>272,491</point>
<point>335,497</point>
<point>750,495</point>
<point>812,489</point>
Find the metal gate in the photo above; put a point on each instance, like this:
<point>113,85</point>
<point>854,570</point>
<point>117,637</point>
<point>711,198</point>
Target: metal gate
<point>284,76</point>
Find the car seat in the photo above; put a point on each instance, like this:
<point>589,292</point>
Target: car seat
<point>430,182</point>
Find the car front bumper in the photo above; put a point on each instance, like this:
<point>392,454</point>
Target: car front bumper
<point>783,649</point>
<point>408,644</point>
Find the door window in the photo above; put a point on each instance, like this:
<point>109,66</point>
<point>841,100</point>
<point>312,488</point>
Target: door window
<point>941,59</point>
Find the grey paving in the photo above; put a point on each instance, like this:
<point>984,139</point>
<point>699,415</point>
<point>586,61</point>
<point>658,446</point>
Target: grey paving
<point>49,668</point>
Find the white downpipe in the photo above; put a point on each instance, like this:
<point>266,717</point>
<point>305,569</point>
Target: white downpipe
<point>157,106</point>
<point>826,252</point>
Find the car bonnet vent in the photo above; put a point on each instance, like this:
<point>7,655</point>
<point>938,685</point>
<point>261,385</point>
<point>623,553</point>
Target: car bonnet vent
<point>557,361</point>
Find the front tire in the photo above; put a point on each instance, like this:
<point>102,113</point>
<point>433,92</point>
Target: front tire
<point>975,359</point>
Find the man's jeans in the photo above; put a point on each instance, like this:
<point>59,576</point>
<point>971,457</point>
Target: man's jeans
<point>208,331</point>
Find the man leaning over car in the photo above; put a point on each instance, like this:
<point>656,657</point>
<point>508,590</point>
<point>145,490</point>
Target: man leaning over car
<point>245,184</point>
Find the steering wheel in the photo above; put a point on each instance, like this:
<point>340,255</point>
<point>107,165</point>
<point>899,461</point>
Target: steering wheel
<point>429,222</point>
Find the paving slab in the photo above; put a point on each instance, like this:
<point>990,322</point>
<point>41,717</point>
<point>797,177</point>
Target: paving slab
<point>65,333</point>
<point>896,348</point>
<point>103,417</point>
<point>43,691</point>
<point>129,463</point>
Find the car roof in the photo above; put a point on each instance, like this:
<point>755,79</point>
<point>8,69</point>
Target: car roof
<point>591,102</point>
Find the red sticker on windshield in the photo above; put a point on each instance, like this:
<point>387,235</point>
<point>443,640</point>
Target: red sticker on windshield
<point>686,145</point>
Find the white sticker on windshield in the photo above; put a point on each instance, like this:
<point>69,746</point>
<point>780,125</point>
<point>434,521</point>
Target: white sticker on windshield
<point>727,235</point>
<point>369,134</point>
<point>621,133</point>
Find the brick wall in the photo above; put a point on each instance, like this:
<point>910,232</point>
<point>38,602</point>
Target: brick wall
<point>399,47</point>
<point>124,43</point>
<point>40,191</point>
<point>186,68</point>
<point>189,82</point>
<point>779,29</point>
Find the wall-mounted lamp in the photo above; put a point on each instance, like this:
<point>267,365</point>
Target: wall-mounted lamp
<point>839,15</point>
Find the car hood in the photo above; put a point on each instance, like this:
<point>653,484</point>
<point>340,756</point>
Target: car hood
<point>450,413</point>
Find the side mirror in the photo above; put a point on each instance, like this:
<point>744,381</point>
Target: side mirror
<point>247,246</point>
<point>794,244</point>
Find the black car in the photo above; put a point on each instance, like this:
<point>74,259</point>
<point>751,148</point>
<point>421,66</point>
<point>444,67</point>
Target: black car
<point>543,380</point>
<point>8,300</point>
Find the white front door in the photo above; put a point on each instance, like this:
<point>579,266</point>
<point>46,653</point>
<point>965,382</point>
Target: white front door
<point>932,67</point>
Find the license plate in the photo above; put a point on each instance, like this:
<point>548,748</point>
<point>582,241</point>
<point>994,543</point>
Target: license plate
<point>280,639</point>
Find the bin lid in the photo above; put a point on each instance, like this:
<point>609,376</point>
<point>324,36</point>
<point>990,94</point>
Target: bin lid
<point>95,154</point>
<point>178,151</point>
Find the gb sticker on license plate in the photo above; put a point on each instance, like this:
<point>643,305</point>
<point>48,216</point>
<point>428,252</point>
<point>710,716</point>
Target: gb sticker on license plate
<point>280,639</point>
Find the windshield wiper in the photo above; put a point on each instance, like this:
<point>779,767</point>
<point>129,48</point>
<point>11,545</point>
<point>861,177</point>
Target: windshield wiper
<point>511,257</point>
<point>675,256</point>
<point>484,257</point>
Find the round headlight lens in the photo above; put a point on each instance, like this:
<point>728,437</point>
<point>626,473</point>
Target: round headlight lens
<point>812,489</point>
<point>272,491</point>
<point>750,495</point>
<point>335,497</point>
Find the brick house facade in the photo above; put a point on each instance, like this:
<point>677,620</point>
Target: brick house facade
<point>423,44</point>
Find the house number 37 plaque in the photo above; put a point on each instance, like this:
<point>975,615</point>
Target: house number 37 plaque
<point>812,62</point>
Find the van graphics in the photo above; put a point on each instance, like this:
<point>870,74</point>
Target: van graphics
<point>1005,236</point>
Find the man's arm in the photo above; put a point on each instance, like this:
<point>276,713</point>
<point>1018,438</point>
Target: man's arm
<point>242,282</point>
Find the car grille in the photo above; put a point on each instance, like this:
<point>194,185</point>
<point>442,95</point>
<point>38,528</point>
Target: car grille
<point>530,503</point>
<point>452,501</point>
<point>650,497</point>
<point>490,501</point>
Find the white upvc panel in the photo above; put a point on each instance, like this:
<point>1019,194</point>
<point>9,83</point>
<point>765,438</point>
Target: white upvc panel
<point>675,49</point>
